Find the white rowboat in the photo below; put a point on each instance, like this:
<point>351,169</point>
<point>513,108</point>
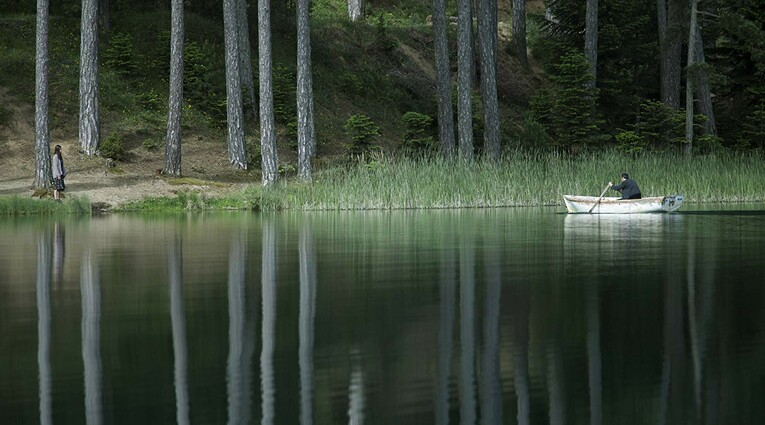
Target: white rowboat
<point>615,205</point>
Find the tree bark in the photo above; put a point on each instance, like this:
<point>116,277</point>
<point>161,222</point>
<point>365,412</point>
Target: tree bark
<point>689,81</point>
<point>487,35</point>
<point>89,115</point>
<point>519,31</point>
<point>175,98</point>
<point>355,10</point>
<point>267,126</point>
<point>591,40</point>
<point>702,82</point>
<point>43,175</point>
<point>306,135</point>
<point>236,147</point>
<point>443,80</point>
<point>465,77</point>
<point>671,50</point>
<point>245,57</point>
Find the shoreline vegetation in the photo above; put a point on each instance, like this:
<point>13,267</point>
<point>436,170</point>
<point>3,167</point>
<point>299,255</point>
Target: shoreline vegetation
<point>519,179</point>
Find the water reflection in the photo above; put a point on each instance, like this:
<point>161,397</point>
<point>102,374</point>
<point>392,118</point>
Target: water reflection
<point>268,282</point>
<point>308,282</point>
<point>447,290</point>
<point>491,397</point>
<point>562,319</point>
<point>356,397</point>
<point>240,342</point>
<point>178,319</point>
<point>91,336</point>
<point>59,252</point>
<point>467,326</point>
<point>44,248</point>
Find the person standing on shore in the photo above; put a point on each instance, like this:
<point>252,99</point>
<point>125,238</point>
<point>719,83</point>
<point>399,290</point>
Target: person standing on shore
<point>59,172</point>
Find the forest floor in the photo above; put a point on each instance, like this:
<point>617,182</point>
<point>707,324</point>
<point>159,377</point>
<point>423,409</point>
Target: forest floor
<point>205,165</point>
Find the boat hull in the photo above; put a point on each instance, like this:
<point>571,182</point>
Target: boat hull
<point>614,205</point>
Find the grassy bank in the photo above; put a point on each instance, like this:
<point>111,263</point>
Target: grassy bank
<point>18,205</point>
<point>520,179</point>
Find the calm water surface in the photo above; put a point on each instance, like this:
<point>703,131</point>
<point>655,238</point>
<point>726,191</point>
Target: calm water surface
<point>509,316</point>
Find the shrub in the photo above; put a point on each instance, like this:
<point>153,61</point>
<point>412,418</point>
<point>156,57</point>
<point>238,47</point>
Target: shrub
<point>418,131</point>
<point>111,147</point>
<point>630,141</point>
<point>660,125</point>
<point>363,132</point>
<point>119,55</point>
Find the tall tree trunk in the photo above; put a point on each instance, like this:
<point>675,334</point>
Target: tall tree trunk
<point>702,82</point>
<point>671,50</point>
<point>591,40</point>
<point>355,10</point>
<point>43,173</point>
<point>245,57</point>
<point>519,31</point>
<point>689,80</point>
<point>175,102</point>
<point>443,79</point>
<point>236,148</point>
<point>89,116</point>
<point>465,77</point>
<point>487,36</point>
<point>306,135</point>
<point>267,126</point>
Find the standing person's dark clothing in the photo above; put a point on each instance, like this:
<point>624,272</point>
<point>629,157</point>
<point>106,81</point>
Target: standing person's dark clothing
<point>59,172</point>
<point>628,187</point>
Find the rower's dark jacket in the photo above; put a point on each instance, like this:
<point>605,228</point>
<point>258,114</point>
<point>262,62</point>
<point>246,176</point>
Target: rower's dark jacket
<point>629,189</point>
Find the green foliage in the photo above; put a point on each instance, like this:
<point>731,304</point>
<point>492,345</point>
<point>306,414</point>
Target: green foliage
<point>363,132</point>
<point>532,134</point>
<point>151,100</point>
<point>45,205</point>
<point>630,142</point>
<point>285,103</point>
<point>753,129</point>
<point>569,111</point>
<point>418,131</point>
<point>202,90</point>
<point>658,125</point>
<point>119,54</point>
<point>383,39</point>
<point>112,147</point>
<point>350,83</point>
<point>151,144</point>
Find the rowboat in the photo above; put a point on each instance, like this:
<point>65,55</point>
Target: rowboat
<point>616,205</point>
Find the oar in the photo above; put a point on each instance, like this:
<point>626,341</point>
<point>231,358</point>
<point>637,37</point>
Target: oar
<point>601,197</point>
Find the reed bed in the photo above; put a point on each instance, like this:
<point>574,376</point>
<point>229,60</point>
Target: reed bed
<point>518,179</point>
<point>16,205</point>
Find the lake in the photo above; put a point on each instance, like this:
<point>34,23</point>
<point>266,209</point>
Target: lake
<point>523,315</point>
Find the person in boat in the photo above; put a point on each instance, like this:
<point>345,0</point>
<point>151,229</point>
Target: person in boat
<point>628,187</point>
